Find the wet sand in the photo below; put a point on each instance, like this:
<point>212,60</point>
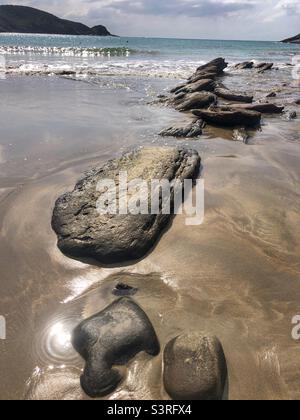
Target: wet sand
<point>237,275</point>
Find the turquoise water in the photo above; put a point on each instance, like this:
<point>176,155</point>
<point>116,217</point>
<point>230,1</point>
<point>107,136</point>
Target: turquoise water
<point>160,57</point>
<point>178,47</point>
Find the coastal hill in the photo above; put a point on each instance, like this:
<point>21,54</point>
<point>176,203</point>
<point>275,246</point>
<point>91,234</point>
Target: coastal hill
<point>294,40</point>
<point>22,19</point>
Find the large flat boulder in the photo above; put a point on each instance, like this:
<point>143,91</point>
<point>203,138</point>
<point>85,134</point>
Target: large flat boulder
<point>229,118</point>
<point>83,233</point>
<point>195,368</point>
<point>112,338</point>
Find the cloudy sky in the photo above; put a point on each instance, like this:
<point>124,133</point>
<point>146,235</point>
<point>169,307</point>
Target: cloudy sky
<point>213,19</point>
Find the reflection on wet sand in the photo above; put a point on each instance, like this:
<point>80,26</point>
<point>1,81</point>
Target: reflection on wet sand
<point>236,276</point>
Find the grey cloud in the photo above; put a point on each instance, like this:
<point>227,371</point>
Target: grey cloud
<point>190,8</point>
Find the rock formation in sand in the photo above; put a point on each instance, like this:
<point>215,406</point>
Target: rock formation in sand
<point>83,232</point>
<point>112,338</point>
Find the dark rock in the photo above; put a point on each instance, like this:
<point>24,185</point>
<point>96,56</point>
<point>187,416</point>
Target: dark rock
<point>122,289</point>
<point>64,72</point>
<point>207,85</point>
<point>112,338</point>
<point>262,67</point>
<point>219,64</point>
<point>178,88</point>
<point>195,368</point>
<point>263,108</point>
<point>292,115</point>
<point>192,80</point>
<point>230,118</point>
<point>115,238</point>
<point>297,102</point>
<point>191,130</point>
<point>271,95</point>
<point>194,100</point>
<point>178,98</point>
<point>202,76</point>
<point>245,65</point>
<point>231,96</point>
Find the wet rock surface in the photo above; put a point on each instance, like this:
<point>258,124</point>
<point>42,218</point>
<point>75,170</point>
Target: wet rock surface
<point>195,100</point>
<point>195,368</point>
<point>262,67</point>
<point>245,65</point>
<point>189,131</point>
<point>271,95</point>
<point>83,233</point>
<point>292,115</point>
<point>231,96</point>
<point>207,85</point>
<point>229,118</point>
<point>263,108</point>
<point>122,289</point>
<point>112,338</point>
<point>205,95</point>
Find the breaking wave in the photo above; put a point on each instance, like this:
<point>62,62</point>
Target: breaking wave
<point>121,68</point>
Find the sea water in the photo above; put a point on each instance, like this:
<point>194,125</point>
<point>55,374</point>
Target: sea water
<point>132,56</point>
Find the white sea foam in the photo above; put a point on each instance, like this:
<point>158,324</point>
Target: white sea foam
<point>145,68</point>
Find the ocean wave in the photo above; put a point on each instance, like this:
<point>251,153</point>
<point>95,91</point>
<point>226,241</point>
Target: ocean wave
<point>140,68</point>
<point>75,51</point>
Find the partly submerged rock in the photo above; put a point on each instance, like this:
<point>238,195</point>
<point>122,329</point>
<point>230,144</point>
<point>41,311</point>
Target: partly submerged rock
<point>194,79</point>
<point>178,88</point>
<point>193,129</point>
<point>262,67</point>
<point>292,115</point>
<point>263,108</point>
<point>245,65</point>
<point>83,233</point>
<point>207,85</point>
<point>229,118</point>
<point>195,368</point>
<point>212,74</point>
<point>232,96</point>
<point>112,338</point>
<point>122,289</point>
<point>199,100</point>
<point>218,65</point>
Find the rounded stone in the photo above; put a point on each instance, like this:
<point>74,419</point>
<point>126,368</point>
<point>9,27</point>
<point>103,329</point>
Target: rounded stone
<point>195,368</point>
